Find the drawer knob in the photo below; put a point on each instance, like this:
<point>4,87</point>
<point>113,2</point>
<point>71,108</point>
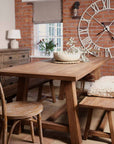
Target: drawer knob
<point>10,57</point>
<point>11,83</point>
<point>23,56</point>
<point>10,65</point>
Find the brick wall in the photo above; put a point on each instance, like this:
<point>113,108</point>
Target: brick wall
<point>70,29</point>
<point>23,18</point>
<point>24,22</point>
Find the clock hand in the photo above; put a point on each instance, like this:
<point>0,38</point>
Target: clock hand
<point>100,32</point>
<point>111,23</point>
<point>95,19</point>
<point>99,37</point>
<point>110,33</point>
<point>102,24</point>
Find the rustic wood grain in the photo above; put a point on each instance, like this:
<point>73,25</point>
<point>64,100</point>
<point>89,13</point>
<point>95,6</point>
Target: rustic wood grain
<point>111,125</point>
<point>22,90</point>
<point>88,123</point>
<point>71,100</point>
<point>54,126</point>
<point>98,103</point>
<point>61,91</point>
<point>48,70</point>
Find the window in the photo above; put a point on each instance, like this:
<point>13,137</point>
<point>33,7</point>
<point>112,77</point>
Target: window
<point>48,31</point>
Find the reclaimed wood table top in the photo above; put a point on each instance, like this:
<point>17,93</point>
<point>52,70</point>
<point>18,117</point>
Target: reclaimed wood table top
<point>49,70</point>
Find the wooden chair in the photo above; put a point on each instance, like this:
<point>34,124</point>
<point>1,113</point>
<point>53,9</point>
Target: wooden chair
<point>40,95</point>
<point>19,111</point>
<point>102,97</point>
<point>40,83</point>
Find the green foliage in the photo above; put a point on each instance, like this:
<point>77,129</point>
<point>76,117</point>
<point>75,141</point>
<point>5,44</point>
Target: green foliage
<point>46,46</point>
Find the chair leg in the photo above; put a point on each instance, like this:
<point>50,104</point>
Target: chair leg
<point>82,85</point>
<point>32,131</point>
<point>40,92</point>
<point>4,134</point>
<point>1,127</point>
<point>52,91</point>
<point>111,126</point>
<point>40,128</point>
<point>89,118</point>
<point>12,129</point>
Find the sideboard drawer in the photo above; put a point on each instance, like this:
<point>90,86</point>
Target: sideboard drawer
<point>24,61</point>
<point>11,64</point>
<point>23,56</point>
<point>9,58</point>
<point>1,59</point>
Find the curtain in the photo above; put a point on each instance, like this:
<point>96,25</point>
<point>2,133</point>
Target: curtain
<point>36,0</point>
<point>47,11</point>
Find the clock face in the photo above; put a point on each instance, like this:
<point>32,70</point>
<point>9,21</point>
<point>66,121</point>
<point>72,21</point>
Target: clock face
<point>96,27</point>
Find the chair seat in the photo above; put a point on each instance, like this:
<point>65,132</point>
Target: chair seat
<point>104,87</point>
<point>98,103</point>
<point>22,110</point>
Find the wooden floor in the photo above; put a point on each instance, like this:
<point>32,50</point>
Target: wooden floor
<point>26,139</point>
<point>52,137</point>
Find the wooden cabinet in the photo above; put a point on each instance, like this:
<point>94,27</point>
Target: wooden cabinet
<point>10,58</point>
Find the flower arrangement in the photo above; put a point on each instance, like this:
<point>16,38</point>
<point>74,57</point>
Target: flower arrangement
<point>47,46</point>
<point>72,48</point>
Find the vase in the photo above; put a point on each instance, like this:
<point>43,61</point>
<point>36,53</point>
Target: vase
<point>47,53</point>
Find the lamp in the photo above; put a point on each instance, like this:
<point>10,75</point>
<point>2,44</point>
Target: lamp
<point>13,35</point>
<point>75,8</point>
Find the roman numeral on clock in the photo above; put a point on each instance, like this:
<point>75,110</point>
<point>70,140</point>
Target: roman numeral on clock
<point>86,20</point>
<point>95,7</point>
<point>96,47</point>
<point>106,4</point>
<point>87,42</point>
<point>84,31</point>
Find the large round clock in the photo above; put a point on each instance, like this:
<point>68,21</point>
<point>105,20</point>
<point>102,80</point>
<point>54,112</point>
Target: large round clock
<point>96,27</point>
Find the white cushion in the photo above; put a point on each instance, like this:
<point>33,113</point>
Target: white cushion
<point>103,87</point>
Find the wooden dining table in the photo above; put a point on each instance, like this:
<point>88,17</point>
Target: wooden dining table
<point>68,74</point>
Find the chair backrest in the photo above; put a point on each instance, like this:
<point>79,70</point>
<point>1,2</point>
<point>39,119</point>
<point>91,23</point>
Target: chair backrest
<point>4,115</point>
<point>3,102</point>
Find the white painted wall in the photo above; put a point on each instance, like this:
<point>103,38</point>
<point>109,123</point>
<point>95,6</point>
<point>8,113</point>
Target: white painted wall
<point>7,20</point>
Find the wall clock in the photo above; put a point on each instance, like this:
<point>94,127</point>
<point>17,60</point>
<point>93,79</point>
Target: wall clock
<point>96,27</point>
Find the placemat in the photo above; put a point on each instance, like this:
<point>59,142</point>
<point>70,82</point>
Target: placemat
<point>67,62</point>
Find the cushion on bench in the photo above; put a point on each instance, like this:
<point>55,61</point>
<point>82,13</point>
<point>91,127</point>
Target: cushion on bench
<point>103,87</point>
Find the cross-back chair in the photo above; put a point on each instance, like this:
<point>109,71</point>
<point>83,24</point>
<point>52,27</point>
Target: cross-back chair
<point>19,110</point>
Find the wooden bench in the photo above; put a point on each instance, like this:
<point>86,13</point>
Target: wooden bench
<point>106,104</point>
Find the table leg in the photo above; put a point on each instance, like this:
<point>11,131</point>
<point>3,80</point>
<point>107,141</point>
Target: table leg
<point>61,91</point>
<point>22,92</point>
<point>22,89</point>
<point>71,100</point>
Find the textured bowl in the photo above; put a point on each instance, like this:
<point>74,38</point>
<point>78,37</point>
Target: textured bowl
<point>66,56</point>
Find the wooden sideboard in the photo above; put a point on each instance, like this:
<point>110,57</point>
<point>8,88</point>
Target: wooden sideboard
<point>10,58</point>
